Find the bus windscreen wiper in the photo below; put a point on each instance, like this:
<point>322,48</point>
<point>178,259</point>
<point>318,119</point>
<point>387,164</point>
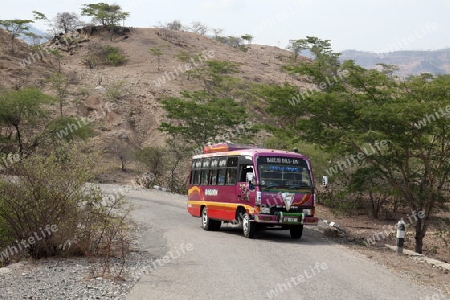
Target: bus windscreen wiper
<point>271,186</point>
<point>297,186</point>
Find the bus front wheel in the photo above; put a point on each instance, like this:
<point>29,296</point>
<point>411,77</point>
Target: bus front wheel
<point>248,227</point>
<point>296,232</point>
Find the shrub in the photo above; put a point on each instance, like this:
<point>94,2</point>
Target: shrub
<point>51,192</point>
<point>104,55</point>
<point>113,56</point>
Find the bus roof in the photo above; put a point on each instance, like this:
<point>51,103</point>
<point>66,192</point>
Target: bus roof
<point>252,152</point>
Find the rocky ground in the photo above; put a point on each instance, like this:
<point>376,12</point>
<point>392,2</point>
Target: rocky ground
<point>354,230</point>
<point>74,278</point>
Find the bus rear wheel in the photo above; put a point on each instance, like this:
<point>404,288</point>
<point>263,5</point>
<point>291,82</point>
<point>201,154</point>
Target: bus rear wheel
<point>296,232</point>
<point>248,227</point>
<point>207,223</point>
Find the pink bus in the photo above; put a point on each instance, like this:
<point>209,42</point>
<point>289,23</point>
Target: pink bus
<point>259,188</point>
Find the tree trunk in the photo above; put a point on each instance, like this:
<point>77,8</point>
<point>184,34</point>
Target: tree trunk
<point>19,138</point>
<point>421,228</point>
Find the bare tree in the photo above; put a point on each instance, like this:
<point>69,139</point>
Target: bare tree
<point>199,28</point>
<point>174,25</point>
<point>217,32</point>
<point>68,22</point>
<point>122,150</point>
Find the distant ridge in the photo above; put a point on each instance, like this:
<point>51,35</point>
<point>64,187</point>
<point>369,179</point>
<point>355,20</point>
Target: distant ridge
<point>38,32</point>
<point>409,62</point>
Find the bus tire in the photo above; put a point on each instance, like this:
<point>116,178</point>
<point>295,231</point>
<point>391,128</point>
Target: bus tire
<point>216,225</point>
<point>248,227</point>
<point>296,232</point>
<point>207,223</point>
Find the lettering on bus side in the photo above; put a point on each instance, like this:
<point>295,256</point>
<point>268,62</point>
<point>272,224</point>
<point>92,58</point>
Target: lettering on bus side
<point>211,192</point>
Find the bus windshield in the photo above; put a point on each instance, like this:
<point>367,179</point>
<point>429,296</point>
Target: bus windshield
<point>285,174</point>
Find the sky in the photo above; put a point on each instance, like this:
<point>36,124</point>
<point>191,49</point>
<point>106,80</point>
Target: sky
<point>368,25</point>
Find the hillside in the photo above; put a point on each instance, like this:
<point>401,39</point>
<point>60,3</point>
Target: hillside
<point>409,62</point>
<point>139,81</point>
<point>138,86</point>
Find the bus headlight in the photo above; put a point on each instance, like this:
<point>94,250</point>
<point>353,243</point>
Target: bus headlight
<point>308,212</point>
<point>265,210</point>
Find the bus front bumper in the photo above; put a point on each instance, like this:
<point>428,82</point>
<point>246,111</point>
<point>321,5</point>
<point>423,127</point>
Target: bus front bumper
<point>285,218</point>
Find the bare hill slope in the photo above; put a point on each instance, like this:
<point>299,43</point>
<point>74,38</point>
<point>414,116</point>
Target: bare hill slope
<point>139,81</point>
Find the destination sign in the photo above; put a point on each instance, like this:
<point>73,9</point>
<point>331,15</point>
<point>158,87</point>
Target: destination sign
<point>280,160</point>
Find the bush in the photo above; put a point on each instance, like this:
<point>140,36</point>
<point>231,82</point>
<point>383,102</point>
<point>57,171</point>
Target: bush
<point>104,55</point>
<point>47,204</point>
<point>166,166</point>
<point>114,57</point>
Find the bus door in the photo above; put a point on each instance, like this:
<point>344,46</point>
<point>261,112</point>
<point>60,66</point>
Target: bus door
<point>245,194</point>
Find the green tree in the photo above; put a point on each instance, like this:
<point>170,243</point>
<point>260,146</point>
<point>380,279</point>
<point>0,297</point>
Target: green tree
<point>296,46</point>
<point>216,76</point>
<point>158,52</point>
<point>15,28</point>
<point>248,38</point>
<point>368,107</point>
<point>60,84</point>
<point>325,64</point>
<point>197,118</point>
<point>105,14</point>
<point>22,107</point>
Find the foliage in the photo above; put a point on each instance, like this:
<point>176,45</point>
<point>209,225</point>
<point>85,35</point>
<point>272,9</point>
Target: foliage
<point>66,129</point>
<point>216,76</point>
<point>20,108</point>
<point>166,165</point>
<point>248,38</point>
<point>15,28</point>
<point>326,65</point>
<point>105,14</point>
<point>60,84</point>
<point>104,55</point>
<point>158,52</point>
<point>297,46</point>
<point>116,91</point>
<point>51,191</point>
<point>198,117</point>
<point>368,107</point>
<point>113,56</point>
<point>233,41</point>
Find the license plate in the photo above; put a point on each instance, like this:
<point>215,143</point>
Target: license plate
<point>290,219</point>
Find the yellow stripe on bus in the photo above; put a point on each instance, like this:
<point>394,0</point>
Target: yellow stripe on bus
<point>220,204</point>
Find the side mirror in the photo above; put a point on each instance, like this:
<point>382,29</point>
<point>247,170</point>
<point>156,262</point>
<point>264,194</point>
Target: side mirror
<point>250,176</point>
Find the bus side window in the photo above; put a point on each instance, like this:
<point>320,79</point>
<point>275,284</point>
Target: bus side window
<point>196,177</point>
<point>221,177</point>
<point>191,177</point>
<point>231,176</point>
<point>212,177</point>
<point>204,177</point>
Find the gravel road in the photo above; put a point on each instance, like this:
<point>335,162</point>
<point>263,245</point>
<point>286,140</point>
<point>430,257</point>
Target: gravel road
<point>179,261</point>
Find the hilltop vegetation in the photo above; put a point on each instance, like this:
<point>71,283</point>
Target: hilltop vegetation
<point>147,99</point>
